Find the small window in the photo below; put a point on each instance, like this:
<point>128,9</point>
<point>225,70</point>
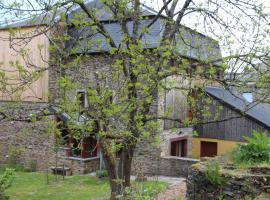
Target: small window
<point>82,98</point>
<point>248,96</point>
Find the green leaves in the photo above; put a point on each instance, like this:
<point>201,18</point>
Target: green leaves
<point>213,173</point>
<point>5,182</point>
<point>256,151</point>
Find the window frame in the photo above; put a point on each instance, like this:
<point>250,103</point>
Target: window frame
<point>84,92</point>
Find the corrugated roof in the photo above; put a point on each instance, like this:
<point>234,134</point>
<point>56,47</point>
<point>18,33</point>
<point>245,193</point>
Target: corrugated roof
<point>257,111</point>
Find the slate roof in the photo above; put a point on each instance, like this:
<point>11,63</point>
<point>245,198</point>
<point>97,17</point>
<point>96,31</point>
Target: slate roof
<point>189,43</point>
<point>257,111</point>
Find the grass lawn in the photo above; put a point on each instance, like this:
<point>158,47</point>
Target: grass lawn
<point>33,186</point>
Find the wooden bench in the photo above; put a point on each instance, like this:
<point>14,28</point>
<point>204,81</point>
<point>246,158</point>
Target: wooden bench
<point>64,171</point>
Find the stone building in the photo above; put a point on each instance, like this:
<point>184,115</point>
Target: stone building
<point>30,144</point>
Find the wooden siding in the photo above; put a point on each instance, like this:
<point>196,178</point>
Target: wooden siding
<point>175,101</point>
<point>233,127</point>
<point>176,105</point>
<point>36,54</point>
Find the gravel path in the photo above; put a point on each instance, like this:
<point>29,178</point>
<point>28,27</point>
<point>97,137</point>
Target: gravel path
<point>176,189</point>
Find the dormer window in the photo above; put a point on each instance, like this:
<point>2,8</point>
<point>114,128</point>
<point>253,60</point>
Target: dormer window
<point>248,96</point>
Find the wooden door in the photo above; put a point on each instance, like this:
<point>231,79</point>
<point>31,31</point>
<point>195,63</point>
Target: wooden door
<point>208,149</point>
<point>89,148</point>
<point>184,148</point>
<point>175,148</point>
<point>179,148</point>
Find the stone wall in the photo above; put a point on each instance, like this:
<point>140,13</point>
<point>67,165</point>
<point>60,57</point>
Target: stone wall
<point>147,158</point>
<point>23,142</point>
<point>152,164</point>
<point>31,145</point>
<point>235,185</point>
<point>175,166</point>
<point>80,166</point>
<point>180,133</point>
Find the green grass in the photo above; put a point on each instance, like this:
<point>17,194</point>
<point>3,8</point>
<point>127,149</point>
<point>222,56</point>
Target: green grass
<point>33,186</point>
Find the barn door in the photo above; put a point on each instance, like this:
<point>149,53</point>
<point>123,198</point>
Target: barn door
<point>208,149</point>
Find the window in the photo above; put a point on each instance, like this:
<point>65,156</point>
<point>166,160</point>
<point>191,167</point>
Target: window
<point>89,147</point>
<point>248,96</point>
<point>86,147</point>
<point>64,137</point>
<point>179,148</point>
<point>82,98</point>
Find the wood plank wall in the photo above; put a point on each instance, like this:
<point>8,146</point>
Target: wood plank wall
<point>36,55</point>
<point>233,129</point>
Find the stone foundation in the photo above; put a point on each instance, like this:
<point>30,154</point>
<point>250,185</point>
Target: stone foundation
<point>26,144</point>
<point>175,166</point>
<point>79,165</point>
<point>29,144</point>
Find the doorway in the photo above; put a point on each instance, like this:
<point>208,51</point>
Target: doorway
<point>208,149</point>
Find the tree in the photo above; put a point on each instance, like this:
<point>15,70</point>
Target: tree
<point>121,96</point>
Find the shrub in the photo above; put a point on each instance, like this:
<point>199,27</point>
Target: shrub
<point>256,151</point>
<point>213,173</point>
<point>5,182</point>
<point>102,173</point>
<point>32,165</point>
<point>14,155</point>
<point>18,167</point>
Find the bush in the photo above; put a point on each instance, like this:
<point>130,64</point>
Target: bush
<point>14,155</point>
<point>213,173</point>
<point>32,166</point>
<point>102,173</point>
<point>256,151</point>
<point>5,182</point>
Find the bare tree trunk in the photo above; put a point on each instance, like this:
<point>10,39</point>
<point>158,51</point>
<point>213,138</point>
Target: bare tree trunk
<point>127,166</point>
<point>111,166</point>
